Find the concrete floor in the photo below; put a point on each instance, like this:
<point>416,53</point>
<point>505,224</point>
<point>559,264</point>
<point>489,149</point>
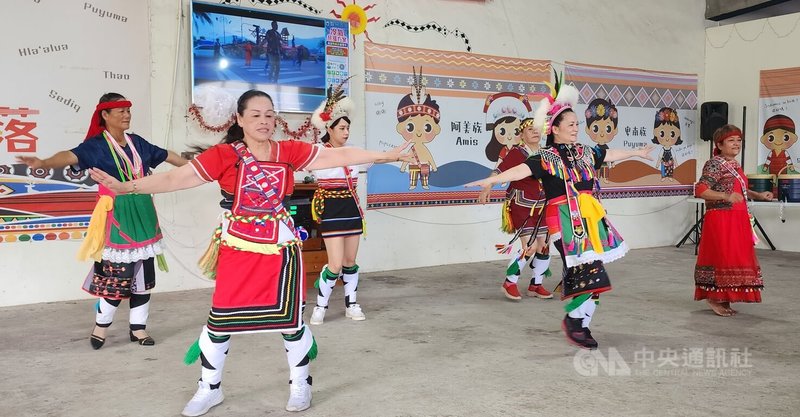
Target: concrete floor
<point>438,342</point>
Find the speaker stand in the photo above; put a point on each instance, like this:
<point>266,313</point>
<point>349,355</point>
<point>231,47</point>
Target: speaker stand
<point>696,230</point>
<point>744,128</point>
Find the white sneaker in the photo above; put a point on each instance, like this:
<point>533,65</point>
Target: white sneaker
<point>299,395</point>
<point>203,400</point>
<point>318,315</point>
<point>354,312</point>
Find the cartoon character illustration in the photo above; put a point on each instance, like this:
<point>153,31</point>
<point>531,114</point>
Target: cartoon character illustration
<point>504,111</point>
<point>667,133</point>
<point>601,126</point>
<point>418,123</point>
<point>779,135</point>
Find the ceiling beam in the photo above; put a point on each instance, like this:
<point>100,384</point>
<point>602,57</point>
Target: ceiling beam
<point>717,10</point>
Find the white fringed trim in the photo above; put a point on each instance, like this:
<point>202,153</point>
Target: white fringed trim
<point>591,256</point>
<point>133,255</point>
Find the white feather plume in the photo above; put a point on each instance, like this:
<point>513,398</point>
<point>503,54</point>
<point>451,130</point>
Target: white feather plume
<point>540,115</point>
<point>568,94</point>
<point>316,120</point>
<point>346,106</point>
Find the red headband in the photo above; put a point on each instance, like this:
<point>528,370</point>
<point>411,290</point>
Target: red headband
<point>732,133</point>
<point>94,126</point>
<point>779,122</point>
<point>418,109</point>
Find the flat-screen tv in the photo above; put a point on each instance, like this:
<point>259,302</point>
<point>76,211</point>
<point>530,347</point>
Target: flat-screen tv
<point>293,58</point>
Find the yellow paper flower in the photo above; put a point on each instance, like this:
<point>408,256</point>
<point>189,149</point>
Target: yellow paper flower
<point>601,110</point>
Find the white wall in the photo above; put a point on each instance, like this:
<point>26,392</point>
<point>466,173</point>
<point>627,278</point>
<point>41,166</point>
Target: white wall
<point>47,270</point>
<point>648,34</point>
<point>662,36</point>
<point>735,54</point>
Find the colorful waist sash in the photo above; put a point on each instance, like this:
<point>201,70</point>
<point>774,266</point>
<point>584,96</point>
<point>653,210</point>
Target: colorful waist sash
<point>208,262</point>
<point>597,239</point>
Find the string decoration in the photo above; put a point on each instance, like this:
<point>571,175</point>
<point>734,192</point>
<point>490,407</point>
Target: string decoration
<point>305,130</point>
<point>276,2</point>
<point>431,26</point>
<point>197,115</point>
<point>734,28</point>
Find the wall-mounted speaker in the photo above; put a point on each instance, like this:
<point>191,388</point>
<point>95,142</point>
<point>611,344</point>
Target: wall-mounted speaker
<point>713,115</point>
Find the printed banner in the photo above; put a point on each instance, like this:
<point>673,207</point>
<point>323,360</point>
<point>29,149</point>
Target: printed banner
<point>59,58</point>
<point>779,110</point>
<point>624,108</point>
<point>460,111</point>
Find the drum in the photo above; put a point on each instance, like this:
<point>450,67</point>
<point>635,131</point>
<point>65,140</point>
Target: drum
<point>789,188</point>
<point>761,182</point>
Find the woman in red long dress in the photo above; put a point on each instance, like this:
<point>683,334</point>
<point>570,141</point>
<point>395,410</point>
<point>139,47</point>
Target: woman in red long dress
<point>727,270</point>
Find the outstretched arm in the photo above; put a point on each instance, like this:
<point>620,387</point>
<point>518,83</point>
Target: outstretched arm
<point>175,160</point>
<point>613,155</point>
<point>486,191</point>
<point>516,173</point>
<point>163,182</point>
<point>344,156</point>
<point>59,160</point>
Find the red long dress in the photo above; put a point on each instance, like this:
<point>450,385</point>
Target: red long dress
<point>727,269</point>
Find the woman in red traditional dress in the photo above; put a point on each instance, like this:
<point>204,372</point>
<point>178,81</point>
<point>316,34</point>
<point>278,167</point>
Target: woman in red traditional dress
<point>727,270</point>
<point>522,216</point>
<point>255,254</point>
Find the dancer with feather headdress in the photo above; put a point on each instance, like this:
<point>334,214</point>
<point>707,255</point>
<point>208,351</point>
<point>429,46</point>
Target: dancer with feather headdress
<point>336,208</point>
<point>575,219</point>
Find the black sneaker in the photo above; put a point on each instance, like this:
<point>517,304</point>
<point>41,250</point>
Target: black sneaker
<point>589,339</point>
<point>575,332</point>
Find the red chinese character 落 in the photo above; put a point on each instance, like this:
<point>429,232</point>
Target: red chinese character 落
<point>20,136</point>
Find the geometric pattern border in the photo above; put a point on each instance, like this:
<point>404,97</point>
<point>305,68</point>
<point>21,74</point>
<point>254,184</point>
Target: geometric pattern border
<point>42,232</point>
<point>407,200</point>
<point>479,85</point>
<point>658,191</point>
<point>384,201</point>
<point>637,96</point>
